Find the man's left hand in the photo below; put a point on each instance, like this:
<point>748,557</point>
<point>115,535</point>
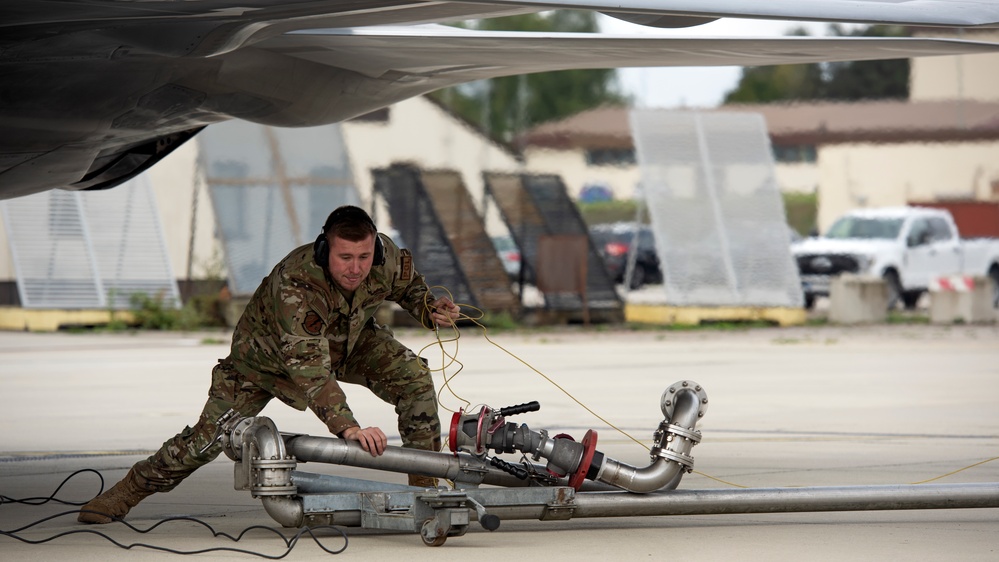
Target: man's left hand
<point>444,312</point>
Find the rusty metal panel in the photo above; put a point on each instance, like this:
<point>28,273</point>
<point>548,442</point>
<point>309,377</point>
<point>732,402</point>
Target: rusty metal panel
<point>562,267</point>
<point>562,263</point>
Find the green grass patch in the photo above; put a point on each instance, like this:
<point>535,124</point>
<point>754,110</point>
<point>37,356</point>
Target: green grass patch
<point>897,317</point>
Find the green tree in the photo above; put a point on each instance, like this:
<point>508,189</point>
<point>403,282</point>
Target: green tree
<point>506,106</point>
<point>855,80</point>
<point>761,84</point>
<point>873,79</point>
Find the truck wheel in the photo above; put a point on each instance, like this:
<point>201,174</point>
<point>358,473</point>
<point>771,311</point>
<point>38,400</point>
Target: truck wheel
<point>894,288</point>
<point>638,276</point>
<point>994,276</point>
<point>910,299</point>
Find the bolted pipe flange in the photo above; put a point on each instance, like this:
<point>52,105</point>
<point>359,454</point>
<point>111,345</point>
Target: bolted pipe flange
<point>263,491</point>
<point>668,400</point>
<point>686,461</point>
<point>691,434</point>
<point>232,436</point>
<point>272,477</point>
<point>583,467</point>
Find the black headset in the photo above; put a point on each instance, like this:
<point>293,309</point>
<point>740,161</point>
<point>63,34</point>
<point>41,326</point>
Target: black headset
<point>321,247</point>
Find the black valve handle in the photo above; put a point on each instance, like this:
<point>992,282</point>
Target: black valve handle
<point>513,469</point>
<point>520,408</point>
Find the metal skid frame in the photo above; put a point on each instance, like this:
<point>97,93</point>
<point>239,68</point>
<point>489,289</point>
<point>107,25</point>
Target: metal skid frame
<point>565,487</point>
<point>435,514</point>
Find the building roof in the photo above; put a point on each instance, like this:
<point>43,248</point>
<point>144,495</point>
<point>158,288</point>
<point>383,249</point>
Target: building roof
<point>802,123</point>
<point>603,127</point>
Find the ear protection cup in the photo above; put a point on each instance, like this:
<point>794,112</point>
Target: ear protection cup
<point>379,257</point>
<point>321,251</point>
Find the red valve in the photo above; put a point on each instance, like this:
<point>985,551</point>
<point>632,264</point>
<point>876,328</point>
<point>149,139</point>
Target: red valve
<point>589,447</point>
<point>452,436</point>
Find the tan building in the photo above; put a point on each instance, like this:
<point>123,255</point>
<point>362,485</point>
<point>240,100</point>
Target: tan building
<point>876,154</point>
<point>974,77</point>
<point>591,148</point>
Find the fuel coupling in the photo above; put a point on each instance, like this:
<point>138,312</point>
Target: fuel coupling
<point>485,430</point>
<point>682,404</point>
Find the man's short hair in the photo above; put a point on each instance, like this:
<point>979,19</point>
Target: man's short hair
<point>349,223</point>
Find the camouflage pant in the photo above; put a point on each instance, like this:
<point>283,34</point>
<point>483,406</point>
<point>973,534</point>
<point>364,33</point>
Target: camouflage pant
<point>390,370</point>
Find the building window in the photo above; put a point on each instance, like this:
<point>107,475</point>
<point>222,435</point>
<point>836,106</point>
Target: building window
<point>610,157</point>
<point>795,154</point>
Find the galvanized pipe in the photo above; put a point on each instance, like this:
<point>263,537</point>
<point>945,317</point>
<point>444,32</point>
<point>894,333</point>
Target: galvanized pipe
<point>463,468</point>
<point>790,500</point>
<point>309,483</point>
<point>769,500</point>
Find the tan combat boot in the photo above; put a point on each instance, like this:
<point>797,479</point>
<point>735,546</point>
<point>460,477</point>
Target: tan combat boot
<point>115,502</point>
<point>422,481</point>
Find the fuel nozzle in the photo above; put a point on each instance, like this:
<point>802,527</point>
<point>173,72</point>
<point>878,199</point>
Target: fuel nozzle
<point>472,432</point>
<point>485,430</point>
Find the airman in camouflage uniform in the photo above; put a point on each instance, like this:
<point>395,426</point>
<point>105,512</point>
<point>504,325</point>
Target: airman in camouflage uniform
<point>307,328</point>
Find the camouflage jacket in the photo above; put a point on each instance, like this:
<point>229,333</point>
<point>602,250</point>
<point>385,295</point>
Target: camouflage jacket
<point>297,328</point>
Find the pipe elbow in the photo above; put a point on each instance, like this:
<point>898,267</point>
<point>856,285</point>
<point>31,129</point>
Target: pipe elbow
<point>683,403</point>
<point>661,474</point>
<point>264,437</point>
<point>288,511</point>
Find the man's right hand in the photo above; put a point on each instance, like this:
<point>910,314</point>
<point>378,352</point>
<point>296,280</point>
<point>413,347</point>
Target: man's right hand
<point>372,439</point>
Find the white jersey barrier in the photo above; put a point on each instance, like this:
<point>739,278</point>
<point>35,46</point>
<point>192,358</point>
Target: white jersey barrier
<point>959,283</point>
<point>961,298</point>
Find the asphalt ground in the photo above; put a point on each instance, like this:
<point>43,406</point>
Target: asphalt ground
<point>788,407</point>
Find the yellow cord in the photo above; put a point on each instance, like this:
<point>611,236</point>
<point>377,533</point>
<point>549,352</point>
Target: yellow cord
<point>956,471</point>
<point>453,359</point>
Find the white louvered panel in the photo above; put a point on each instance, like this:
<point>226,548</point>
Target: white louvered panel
<point>718,217</point>
<point>129,244</point>
<point>52,254</point>
<point>76,250</point>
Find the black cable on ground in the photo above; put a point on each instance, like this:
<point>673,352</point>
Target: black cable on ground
<point>288,542</point>
<point>41,501</point>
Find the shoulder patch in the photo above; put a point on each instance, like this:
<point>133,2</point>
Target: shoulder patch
<point>405,265</point>
<point>312,324</point>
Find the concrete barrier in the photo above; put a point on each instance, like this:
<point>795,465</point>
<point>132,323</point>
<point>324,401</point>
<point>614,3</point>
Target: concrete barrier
<point>966,299</point>
<point>14,318</point>
<point>857,299</point>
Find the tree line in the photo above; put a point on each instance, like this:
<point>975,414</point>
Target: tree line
<point>505,107</point>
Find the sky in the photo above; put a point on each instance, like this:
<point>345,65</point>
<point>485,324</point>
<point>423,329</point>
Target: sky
<point>694,86</point>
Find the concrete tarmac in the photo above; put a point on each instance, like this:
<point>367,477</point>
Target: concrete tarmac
<point>788,407</point>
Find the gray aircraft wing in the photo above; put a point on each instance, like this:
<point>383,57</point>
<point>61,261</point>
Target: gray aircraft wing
<point>681,13</point>
<point>93,93</point>
<point>441,56</point>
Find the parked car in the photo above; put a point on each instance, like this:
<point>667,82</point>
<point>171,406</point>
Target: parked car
<point>613,243</point>
<point>908,247</point>
<point>509,254</point>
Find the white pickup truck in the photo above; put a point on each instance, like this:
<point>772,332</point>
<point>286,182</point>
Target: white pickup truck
<point>906,246</point>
